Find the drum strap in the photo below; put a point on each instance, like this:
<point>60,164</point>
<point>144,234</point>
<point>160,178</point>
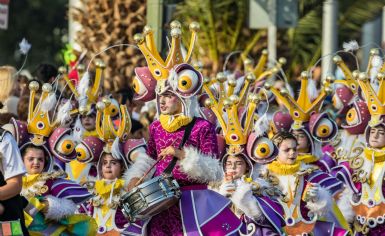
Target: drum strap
<point>186,135</point>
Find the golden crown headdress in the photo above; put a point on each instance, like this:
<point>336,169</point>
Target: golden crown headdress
<point>159,68</point>
<point>39,122</point>
<point>93,92</point>
<point>375,101</point>
<point>105,127</point>
<point>234,132</point>
<point>303,108</point>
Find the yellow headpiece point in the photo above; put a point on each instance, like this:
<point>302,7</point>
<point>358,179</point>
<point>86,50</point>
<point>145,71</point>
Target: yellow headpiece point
<point>248,62</point>
<point>232,82</point>
<point>176,32</point>
<point>284,92</point>
<point>250,77</point>
<point>330,78</point>
<point>254,98</point>
<point>265,52</point>
<point>208,103</point>
<point>221,77</point>
<point>227,103</point>
<point>374,51</point>
<point>100,106</point>
<point>355,74</point>
<point>146,30</point>
<point>62,70</point>
<point>267,85</point>
<point>81,68</point>
<point>33,86</point>
<point>194,26</point>
<point>106,101</point>
<point>362,76</point>
<point>206,80</point>
<point>380,76</point>
<point>47,87</point>
<point>175,24</point>
<point>282,61</point>
<point>83,110</point>
<point>337,59</point>
<point>304,75</point>
<point>328,90</point>
<point>100,63</point>
<point>234,99</point>
<point>138,38</point>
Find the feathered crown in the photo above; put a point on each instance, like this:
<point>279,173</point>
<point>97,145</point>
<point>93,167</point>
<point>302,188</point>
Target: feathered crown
<point>39,121</point>
<point>105,126</point>
<point>304,107</point>
<point>375,101</point>
<point>159,68</point>
<point>234,132</point>
<point>82,90</point>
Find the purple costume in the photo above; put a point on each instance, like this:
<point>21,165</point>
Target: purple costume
<point>212,216</point>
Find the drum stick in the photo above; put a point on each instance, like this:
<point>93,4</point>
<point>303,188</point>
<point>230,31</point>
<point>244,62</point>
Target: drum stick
<point>148,171</point>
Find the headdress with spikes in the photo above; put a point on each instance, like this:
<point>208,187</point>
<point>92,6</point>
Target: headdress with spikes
<point>105,126</point>
<point>39,121</point>
<point>375,101</point>
<point>159,68</point>
<point>303,108</point>
<point>91,93</point>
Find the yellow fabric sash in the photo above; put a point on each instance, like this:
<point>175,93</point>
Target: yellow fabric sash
<point>173,123</point>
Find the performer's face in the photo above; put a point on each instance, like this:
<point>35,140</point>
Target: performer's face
<point>287,152</point>
<point>111,168</point>
<point>303,141</point>
<point>236,167</point>
<point>377,137</point>
<point>169,104</point>
<point>88,122</point>
<point>34,160</point>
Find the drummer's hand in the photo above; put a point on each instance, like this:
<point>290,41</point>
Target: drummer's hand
<point>132,183</point>
<point>172,151</point>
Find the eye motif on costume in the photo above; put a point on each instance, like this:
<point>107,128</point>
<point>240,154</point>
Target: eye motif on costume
<point>113,109</point>
<point>352,117</point>
<point>138,86</point>
<point>65,145</point>
<point>82,153</point>
<point>263,148</point>
<point>188,81</point>
<point>324,128</point>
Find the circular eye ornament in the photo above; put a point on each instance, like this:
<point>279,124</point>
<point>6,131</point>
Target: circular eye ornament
<point>322,128</point>
<point>144,85</point>
<point>61,144</point>
<point>261,149</point>
<point>189,80</point>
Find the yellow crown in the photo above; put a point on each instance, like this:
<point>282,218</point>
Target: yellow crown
<point>105,126</point>
<point>39,122</point>
<point>235,134</point>
<point>159,68</point>
<point>302,109</point>
<point>93,92</point>
<point>375,101</point>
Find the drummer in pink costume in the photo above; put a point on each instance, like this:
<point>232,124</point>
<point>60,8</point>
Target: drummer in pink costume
<point>200,211</point>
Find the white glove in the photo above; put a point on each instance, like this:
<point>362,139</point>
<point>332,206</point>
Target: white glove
<point>227,188</point>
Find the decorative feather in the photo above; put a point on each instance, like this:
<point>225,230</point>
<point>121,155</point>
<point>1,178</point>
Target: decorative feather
<point>377,61</point>
<point>63,115</point>
<point>350,46</point>
<point>83,85</point>
<point>261,126</point>
<point>115,149</point>
<point>312,90</point>
<point>78,131</point>
<point>24,46</point>
<point>173,80</point>
<point>49,103</point>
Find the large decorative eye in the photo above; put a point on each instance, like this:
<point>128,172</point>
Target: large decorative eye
<point>113,109</point>
<point>263,148</point>
<point>187,81</point>
<point>65,145</point>
<point>138,86</point>
<point>82,153</point>
<point>324,128</point>
<point>352,116</point>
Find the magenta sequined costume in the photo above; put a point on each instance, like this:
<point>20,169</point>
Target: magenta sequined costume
<point>203,138</point>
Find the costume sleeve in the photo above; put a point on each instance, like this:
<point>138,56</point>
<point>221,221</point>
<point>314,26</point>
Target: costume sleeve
<point>12,163</point>
<point>151,145</point>
<point>208,140</point>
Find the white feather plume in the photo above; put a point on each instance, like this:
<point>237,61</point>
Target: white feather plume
<point>115,149</point>
<point>24,46</point>
<point>64,113</point>
<point>173,80</point>
<point>350,46</point>
<point>78,131</point>
<point>262,125</point>
<point>48,103</point>
<point>83,85</point>
<point>312,89</point>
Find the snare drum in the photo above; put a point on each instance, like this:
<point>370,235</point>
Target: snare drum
<point>150,198</point>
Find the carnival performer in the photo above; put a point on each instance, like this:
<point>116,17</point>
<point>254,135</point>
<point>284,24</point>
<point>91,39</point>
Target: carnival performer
<point>196,162</point>
<point>363,200</point>
<point>310,127</point>
<point>109,186</point>
<point>305,202</point>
